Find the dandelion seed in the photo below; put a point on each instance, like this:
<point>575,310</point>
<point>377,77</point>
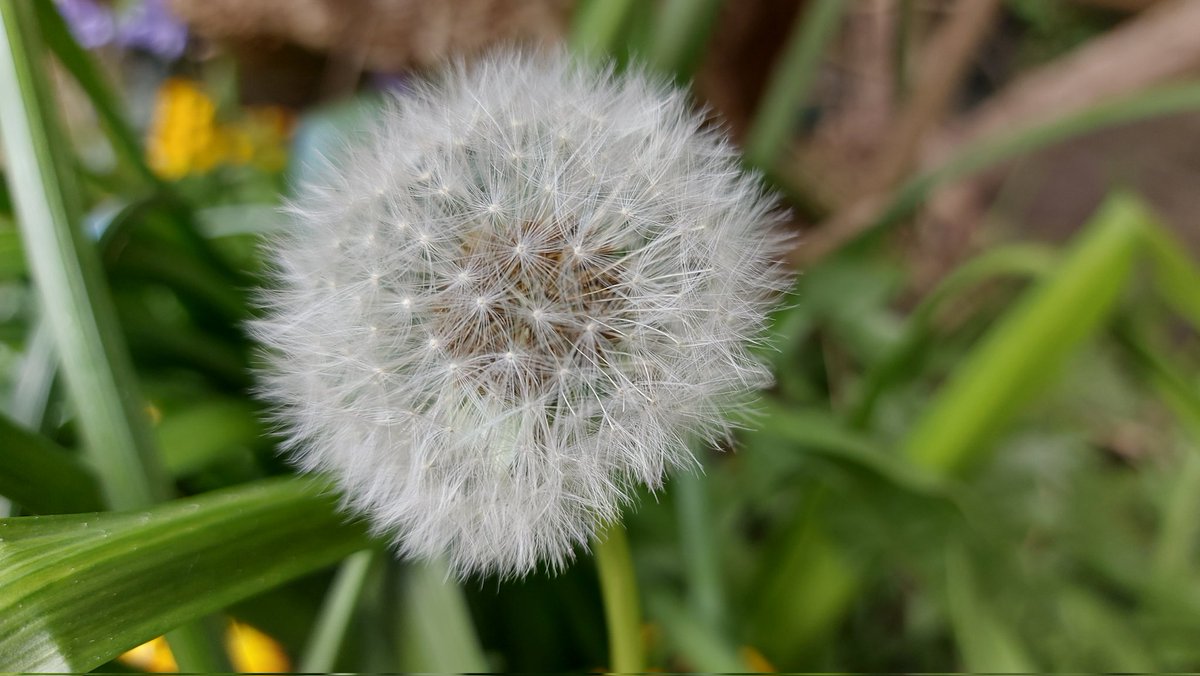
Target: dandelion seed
<point>540,359</point>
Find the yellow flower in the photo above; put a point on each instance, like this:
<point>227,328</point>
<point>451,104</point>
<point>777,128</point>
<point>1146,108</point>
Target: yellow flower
<point>186,138</point>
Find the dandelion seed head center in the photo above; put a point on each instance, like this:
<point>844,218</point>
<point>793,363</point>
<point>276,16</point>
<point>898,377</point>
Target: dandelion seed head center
<point>542,303</point>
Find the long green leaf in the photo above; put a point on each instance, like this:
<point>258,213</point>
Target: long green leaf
<point>42,477</point>
<point>79,590</point>
<point>792,80</point>
<point>987,645</point>
<point>992,151</point>
<point>1030,343</point>
<point>75,300</point>
<point>680,32</point>
<point>1176,275</point>
<point>1024,260</point>
<point>90,79</point>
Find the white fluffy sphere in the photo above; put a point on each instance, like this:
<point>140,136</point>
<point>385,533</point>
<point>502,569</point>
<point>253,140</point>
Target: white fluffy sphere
<point>529,286</point>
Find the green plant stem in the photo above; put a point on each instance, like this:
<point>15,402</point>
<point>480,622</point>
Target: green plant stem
<point>597,26</point>
<point>792,80</point>
<point>333,620</point>
<point>680,32</point>
<point>618,587</point>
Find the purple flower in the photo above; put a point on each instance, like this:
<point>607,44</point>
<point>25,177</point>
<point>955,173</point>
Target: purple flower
<point>92,24</point>
<point>152,27</point>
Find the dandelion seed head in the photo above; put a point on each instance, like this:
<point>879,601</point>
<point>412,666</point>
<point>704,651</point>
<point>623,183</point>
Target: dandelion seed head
<point>560,273</point>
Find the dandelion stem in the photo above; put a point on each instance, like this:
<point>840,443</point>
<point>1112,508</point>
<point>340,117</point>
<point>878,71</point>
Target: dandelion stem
<point>618,586</point>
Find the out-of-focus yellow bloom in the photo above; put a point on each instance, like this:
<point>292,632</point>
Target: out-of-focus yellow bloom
<point>153,656</point>
<point>186,137</point>
<point>756,661</point>
<point>249,650</point>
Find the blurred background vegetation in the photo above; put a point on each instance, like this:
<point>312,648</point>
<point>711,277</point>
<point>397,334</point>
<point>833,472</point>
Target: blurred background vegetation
<point>982,452</point>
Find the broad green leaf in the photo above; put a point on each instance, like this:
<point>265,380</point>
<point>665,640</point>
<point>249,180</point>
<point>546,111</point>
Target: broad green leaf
<point>197,436</point>
<point>44,478</point>
<point>79,590</point>
<point>1029,344</point>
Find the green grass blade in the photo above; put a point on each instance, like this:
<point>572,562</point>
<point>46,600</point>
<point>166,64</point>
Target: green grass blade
<point>694,640</point>
<point>1024,260</point>
<point>81,67</point>
<point>1176,275</point>
<point>986,645</point>
<point>817,432</point>
<point>42,477</point>
<point>792,80</point>
<point>436,632</point>
<point>699,550</point>
<point>680,32</point>
<point>990,152</point>
<point>598,24</point>
<point>75,300</point>
<point>79,590</point>
<point>333,621</point>
<point>1027,345</point>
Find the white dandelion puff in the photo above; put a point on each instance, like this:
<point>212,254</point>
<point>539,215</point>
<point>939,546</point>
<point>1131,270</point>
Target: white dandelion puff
<point>530,287</point>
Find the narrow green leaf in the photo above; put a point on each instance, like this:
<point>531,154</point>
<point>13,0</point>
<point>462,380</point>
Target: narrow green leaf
<point>817,432</point>
<point>333,621</point>
<point>987,646</point>
<point>701,648</point>
<point>12,261</point>
<point>437,633</point>
<point>1028,344</point>
<point>597,25</point>
<point>75,300</point>
<point>792,80</point>
<point>81,67</point>
<point>680,32</point>
<point>79,590</point>
<point>990,152</point>
<point>43,477</point>
<point>699,550</point>
<point>1022,260</point>
<point>1176,275</point>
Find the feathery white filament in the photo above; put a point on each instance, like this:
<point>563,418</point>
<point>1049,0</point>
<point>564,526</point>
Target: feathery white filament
<point>528,289</point>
